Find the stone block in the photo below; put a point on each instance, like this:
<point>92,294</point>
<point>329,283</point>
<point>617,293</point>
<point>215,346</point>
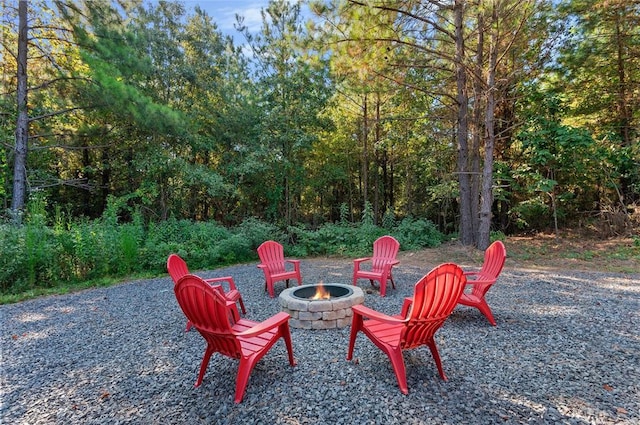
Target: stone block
<point>320,306</point>
<point>300,324</point>
<point>342,303</point>
<point>342,323</point>
<point>333,315</point>
<point>324,324</point>
<point>299,305</point>
<point>308,315</point>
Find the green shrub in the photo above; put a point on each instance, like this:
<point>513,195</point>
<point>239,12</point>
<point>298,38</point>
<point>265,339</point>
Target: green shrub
<point>235,249</point>
<point>417,234</point>
<point>532,214</point>
<point>36,256</point>
<point>257,231</point>
<point>11,258</point>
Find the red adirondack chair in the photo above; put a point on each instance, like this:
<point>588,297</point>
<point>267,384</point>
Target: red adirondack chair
<point>434,297</point>
<point>480,281</point>
<point>273,264</point>
<point>177,268</point>
<point>207,308</point>
<point>385,250</point>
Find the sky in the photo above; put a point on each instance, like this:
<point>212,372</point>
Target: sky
<point>223,13</point>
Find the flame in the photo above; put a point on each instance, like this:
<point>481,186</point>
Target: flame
<point>321,293</point>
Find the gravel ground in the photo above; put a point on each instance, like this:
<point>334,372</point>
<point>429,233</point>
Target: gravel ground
<point>566,350</point>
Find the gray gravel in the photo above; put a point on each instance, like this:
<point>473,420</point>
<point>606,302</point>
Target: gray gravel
<point>566,350</point>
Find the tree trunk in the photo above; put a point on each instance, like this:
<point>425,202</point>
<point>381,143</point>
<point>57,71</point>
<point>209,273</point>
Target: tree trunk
<point>484,229</point>
<point>624,117</point>
<point>466,220</point>
<point>22,123</point>
<point>365,153</point>
<point>379,163</point>
<point>478,125</point>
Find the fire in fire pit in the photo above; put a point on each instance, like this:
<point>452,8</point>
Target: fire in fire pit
<point>320,292</point>
<point>320,306</point>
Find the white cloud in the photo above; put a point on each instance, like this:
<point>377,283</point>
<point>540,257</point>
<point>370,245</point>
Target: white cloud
<point>223,12</point>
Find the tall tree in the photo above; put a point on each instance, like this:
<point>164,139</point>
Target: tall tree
<point>600,71</point>
<point>132,109</point>
<point>439,35</point>
<point>41,57</point>
<point>294,92</point>
<point>22,122</point>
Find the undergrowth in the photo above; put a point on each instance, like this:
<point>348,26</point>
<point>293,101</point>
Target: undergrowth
<point>55,254</point>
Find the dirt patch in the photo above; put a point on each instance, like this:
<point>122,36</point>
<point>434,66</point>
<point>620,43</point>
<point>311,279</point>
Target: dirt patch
<point>567,252</point>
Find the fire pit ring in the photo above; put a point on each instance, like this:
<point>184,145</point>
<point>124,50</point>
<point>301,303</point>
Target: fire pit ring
<point>307,291</point>
<point>324,313</point>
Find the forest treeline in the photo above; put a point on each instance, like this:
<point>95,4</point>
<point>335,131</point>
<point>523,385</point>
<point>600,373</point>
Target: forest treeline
<point>479,116</point>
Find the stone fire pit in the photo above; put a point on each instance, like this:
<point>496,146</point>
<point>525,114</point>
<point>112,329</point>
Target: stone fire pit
<point>307,313</point>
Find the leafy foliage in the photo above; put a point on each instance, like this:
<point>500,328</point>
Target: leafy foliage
<point>37,255</point>
<point>149,121</point>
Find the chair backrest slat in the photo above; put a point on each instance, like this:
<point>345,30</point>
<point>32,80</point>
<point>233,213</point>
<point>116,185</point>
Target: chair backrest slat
<point>385,249</point>
<point>271,254</point>
<point>434,298</point>
<point>494,258</point>
<point>205,307</point>
<point>176,267</point>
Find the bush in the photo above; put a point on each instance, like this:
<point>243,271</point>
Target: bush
<point>38,256</point>
<point>256,232</point>
<point>417,234</point>
<point>532,214</point>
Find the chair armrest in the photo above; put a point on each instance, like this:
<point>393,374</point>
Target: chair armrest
<point>481,284</point>
<point>296,263</point>
<point>389,265</point>
<point>232,284</point>
<point>372,314</point>
<point>405,307</point>
<point>479,278</point>
<point>272,322</point>
<point>360,260</point>
<point>357,261</point>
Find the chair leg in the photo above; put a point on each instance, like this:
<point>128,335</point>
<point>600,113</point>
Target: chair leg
<point>383,287</point>
<point>397,361</point>
<point>203,366</point>
<point>286,335</point>
<point>436,358</point>
<point>242,378</point>
<point>244,311</point>
<point>356,325</point>
<point>486,311</point>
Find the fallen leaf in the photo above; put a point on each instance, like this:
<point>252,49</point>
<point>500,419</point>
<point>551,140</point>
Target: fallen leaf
<point>607,387</point>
